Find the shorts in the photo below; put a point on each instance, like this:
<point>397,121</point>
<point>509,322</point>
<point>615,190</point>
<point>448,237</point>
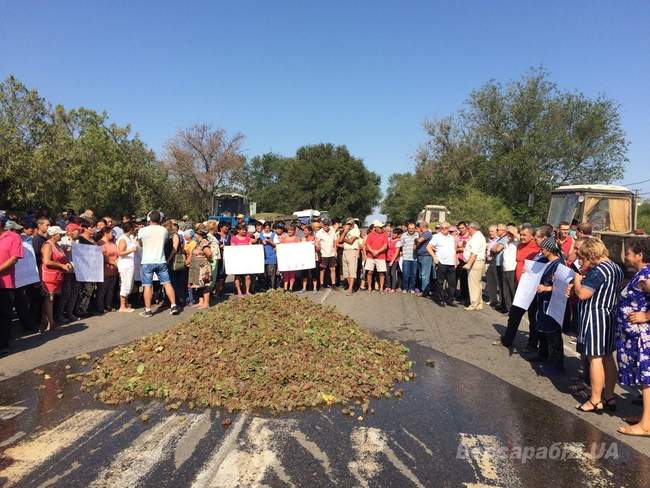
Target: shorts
<point>372,264</point>
<point>147,271</point>
<point>350,263</point>
<point>328,262</point>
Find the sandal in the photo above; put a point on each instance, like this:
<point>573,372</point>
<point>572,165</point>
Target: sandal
<point>595,408</point>
<point>630,430</point>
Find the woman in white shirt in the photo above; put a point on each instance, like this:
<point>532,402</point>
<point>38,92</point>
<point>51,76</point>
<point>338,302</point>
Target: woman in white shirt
<point>127,245</point>
<point>509,266</point>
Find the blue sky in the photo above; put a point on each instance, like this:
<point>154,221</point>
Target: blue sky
<point>288,73</point>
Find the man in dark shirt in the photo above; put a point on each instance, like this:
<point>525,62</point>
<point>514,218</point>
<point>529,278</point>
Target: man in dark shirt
<point>39,239</point>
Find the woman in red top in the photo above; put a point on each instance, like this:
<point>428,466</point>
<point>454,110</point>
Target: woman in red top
<point>289,277</point>
<point>242,239</point>
<point>310,274</point>
<point>54,263</point>
<point>106,290</point>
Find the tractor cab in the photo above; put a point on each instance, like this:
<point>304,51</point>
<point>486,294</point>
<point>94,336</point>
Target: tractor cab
<point>610,209</point>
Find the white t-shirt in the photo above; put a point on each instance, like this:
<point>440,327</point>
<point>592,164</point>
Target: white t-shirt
<point>153,239</point>
<point>510,257</point>
<point>476,245</point>
<point>326,242</point>
<point>445,247</point>
<point>354,232</point>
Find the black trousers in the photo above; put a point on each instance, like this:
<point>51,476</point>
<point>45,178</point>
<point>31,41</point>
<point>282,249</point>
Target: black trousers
<point>555,348</point>
<point>446,272</point>
<point>6,307</point>
<point>492,280</point>
<point>23,304</point>
<point>105,291</point>
<point>461,273</point>
<point>508,288</point>
<point>270,275</point>
<point>535,339</point>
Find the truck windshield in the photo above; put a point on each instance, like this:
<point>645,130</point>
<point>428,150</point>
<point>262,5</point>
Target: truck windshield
<point>563,208</point>
<point>229,206</point>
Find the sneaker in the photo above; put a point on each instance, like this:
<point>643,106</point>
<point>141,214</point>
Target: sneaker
<point>314,290</point>
<point>174,310</point>
<point>4,351</point>
<point>146,313</point>
<point>302,291</point>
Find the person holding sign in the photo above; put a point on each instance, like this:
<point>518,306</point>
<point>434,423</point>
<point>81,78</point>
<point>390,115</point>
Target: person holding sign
<point>546,324</point>
<point>54,263</point>
<point>289,277</point>
<point>242,239</point>
<point>310,274</point>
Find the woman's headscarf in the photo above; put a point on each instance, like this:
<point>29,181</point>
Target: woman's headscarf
<point>550,244</point>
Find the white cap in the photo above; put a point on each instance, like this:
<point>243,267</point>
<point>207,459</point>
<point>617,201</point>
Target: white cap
<point>378,223</point>
<point>54,230</point>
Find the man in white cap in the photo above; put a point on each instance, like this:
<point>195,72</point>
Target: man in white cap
<point>376,247</point>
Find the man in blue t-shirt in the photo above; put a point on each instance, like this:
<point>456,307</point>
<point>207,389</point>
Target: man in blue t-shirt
<point>269,240</point>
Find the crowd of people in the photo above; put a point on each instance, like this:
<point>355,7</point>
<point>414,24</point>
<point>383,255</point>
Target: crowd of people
<point>175,263</point>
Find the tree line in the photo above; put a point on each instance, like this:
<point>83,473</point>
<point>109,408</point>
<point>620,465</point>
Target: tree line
<point>57,158</point>
<point>499,157</point>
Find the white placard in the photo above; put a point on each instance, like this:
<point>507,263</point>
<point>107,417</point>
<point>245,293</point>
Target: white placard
<point>243,260</point>
<point>26,269</point>
<point>527,287</point>
<point>557,306</point>
<point>88,263</point>
<point>295,256</point>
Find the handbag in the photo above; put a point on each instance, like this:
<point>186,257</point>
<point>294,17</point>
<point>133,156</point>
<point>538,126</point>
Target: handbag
<point>178,264</point>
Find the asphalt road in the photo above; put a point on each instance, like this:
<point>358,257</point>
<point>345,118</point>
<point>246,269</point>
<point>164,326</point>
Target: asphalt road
<point>479,417</point>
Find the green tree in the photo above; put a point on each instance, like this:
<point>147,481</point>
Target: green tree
<point>476,206</point>
<point>58,159</point>
<point>405,198</point>
<point>321,176</point>
<point>643,216</point>
<point>521,140</point>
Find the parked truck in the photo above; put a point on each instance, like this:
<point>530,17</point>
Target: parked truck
<point>610,209</point>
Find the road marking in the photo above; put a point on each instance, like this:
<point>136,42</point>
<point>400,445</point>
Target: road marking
<point>7,413</point>
<point>210,469</point>
<point>135,462</point>
<point>33,452</point>
<point>598,476</point>
<point>313,449</point>
<point>55,479</point>
<point>327,294</point>
<point>247,465</point>
<point>367,443</point>
<point>490,469</point>
<point>16,437</point>
<point>422,444</point>
<point>401,467</point>
<point>187,444</point>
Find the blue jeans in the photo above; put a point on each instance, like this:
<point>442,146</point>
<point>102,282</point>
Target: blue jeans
<point>424,269</point>
<point>147,271</point>
<point>409,269</point>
